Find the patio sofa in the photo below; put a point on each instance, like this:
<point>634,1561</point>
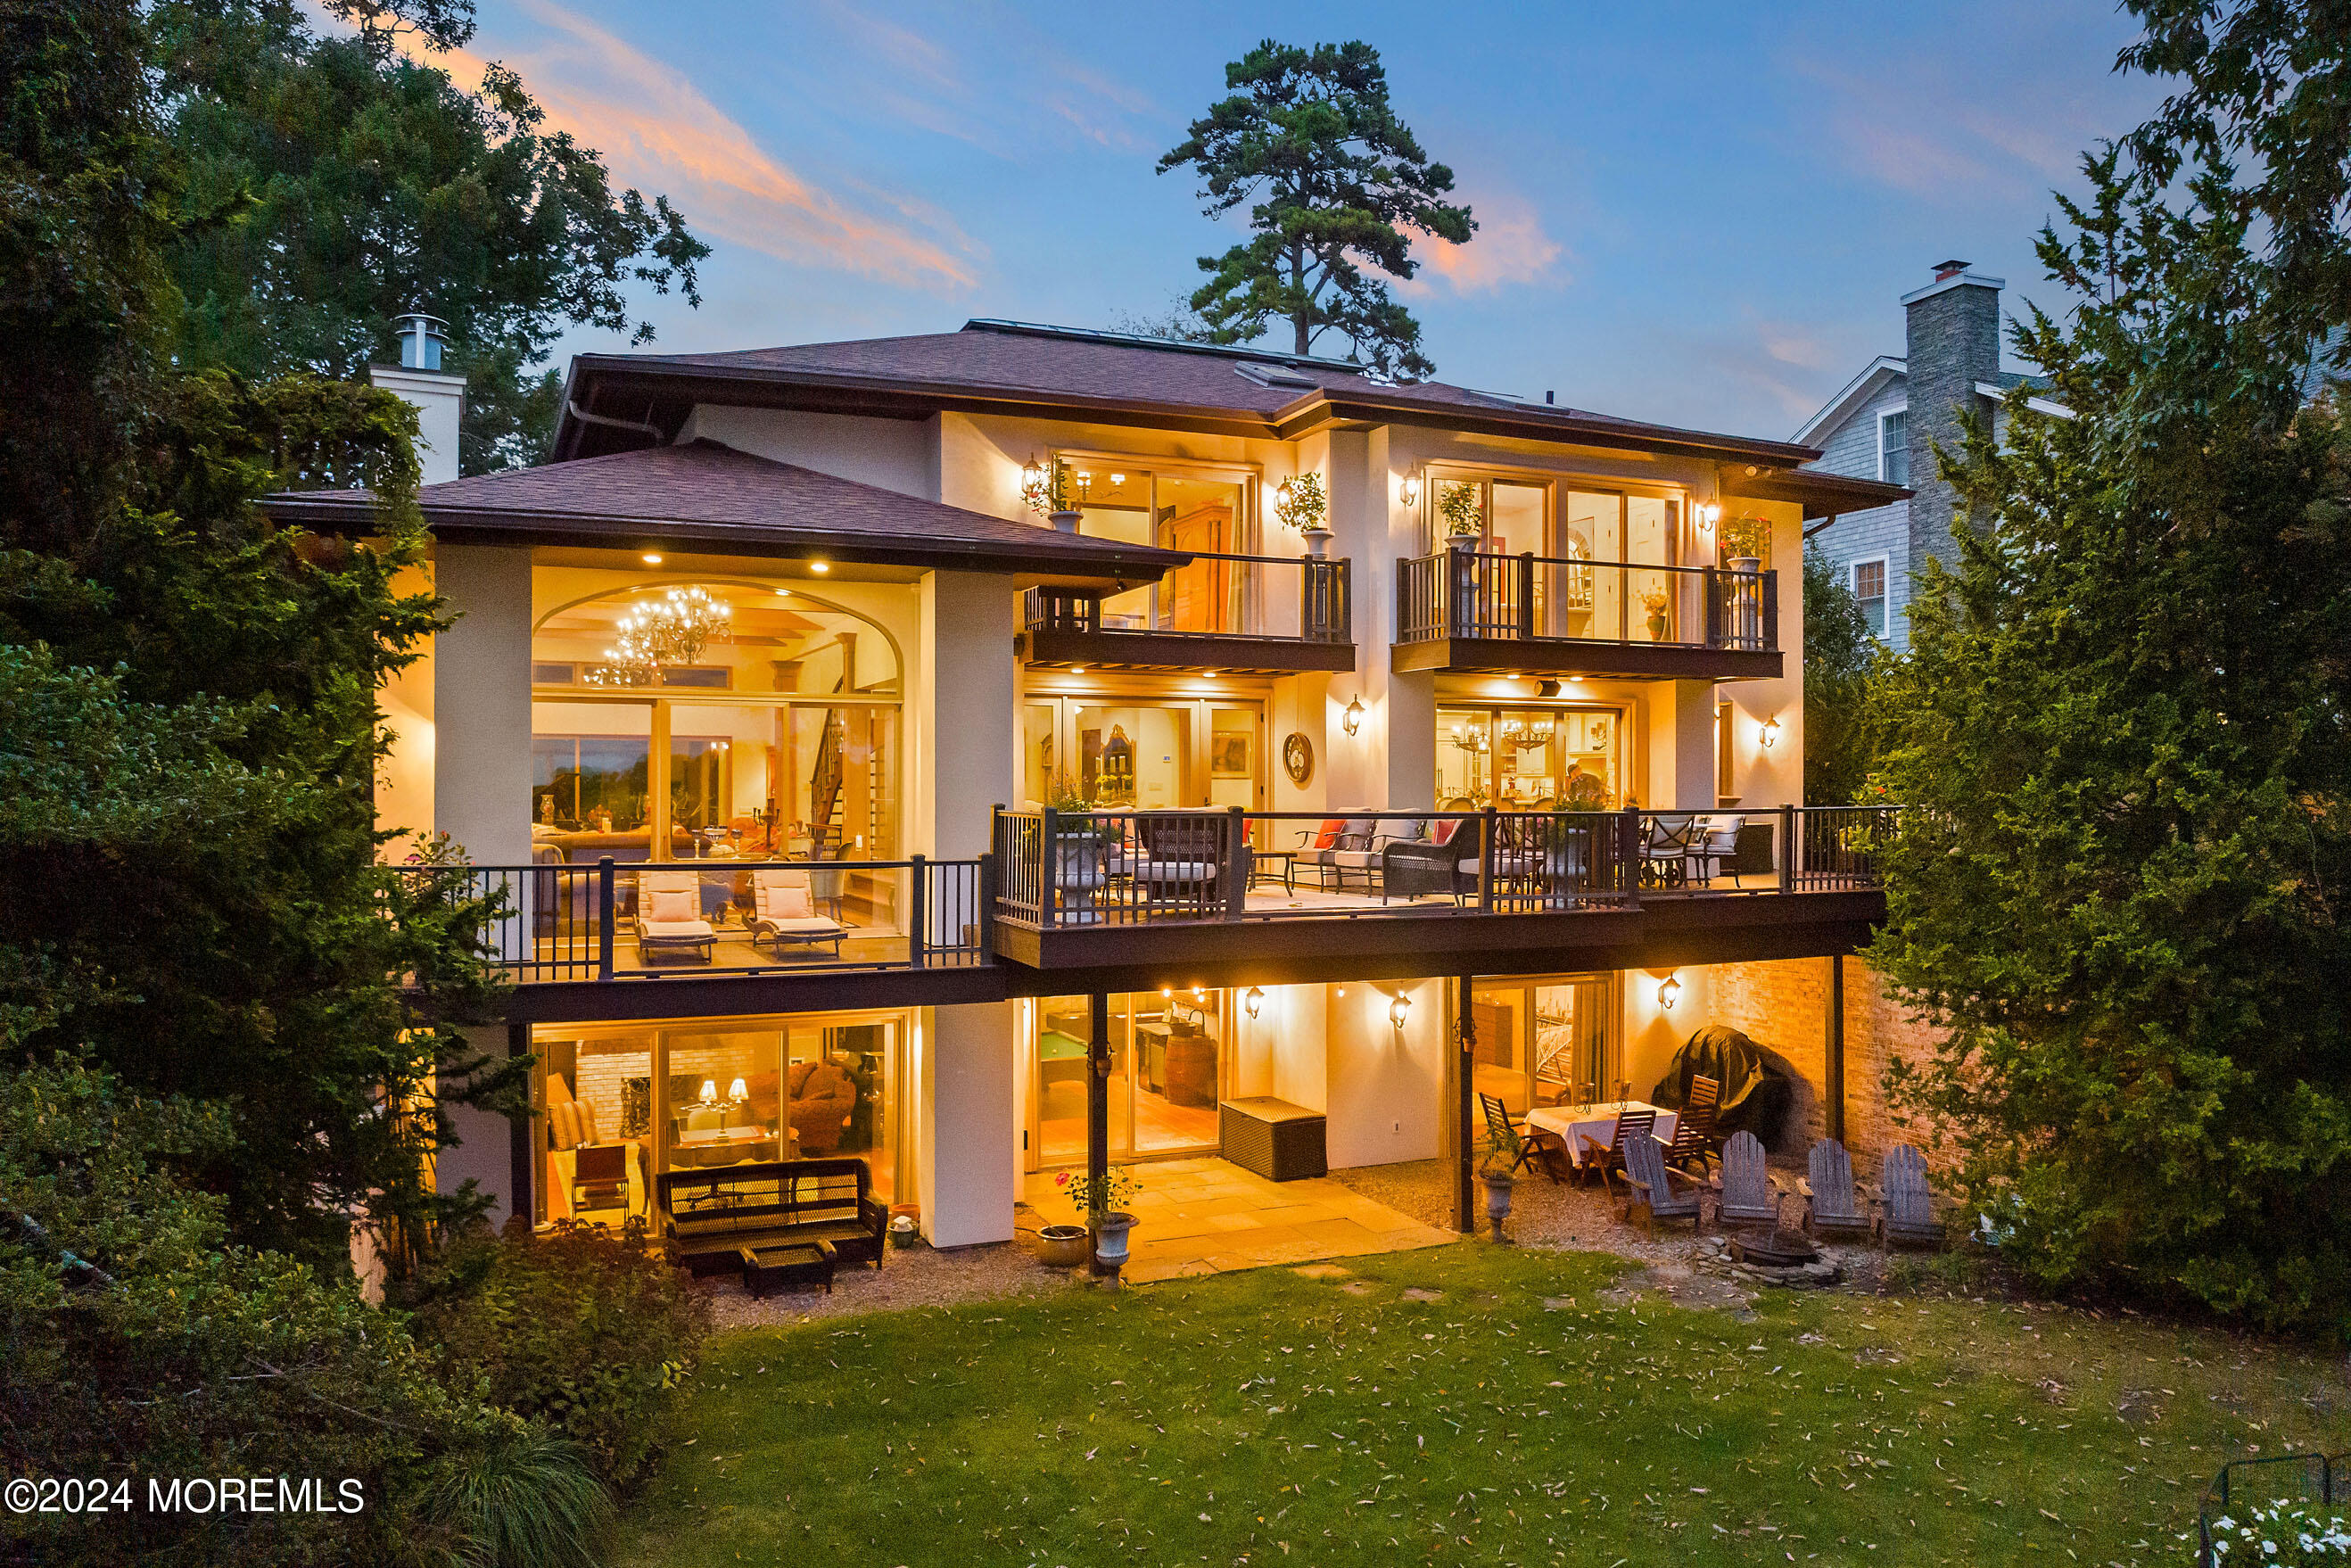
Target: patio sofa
<point>714,1217</point>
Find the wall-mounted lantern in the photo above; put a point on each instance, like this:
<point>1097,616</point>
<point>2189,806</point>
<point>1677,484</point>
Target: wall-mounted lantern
<point>1354,718</point>
<point>1668,992</point>
<point>1251,999</point>
<point>1399,1009</point>
<point>1409,491</point>
<point>1768,733</point>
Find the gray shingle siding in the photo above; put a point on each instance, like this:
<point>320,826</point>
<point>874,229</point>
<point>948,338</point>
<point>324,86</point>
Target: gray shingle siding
<point>1852,448</point>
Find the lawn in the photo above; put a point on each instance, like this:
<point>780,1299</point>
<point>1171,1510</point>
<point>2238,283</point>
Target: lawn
<point>1523,1416</point>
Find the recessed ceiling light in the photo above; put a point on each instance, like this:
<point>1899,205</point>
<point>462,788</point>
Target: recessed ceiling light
<point>1077,669</point>
<point>819,567</point>
<point>783,594</point>
<point>653,560</point>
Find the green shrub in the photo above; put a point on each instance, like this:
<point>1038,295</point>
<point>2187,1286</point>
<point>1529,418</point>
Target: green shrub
<point>520,1498</point>
<point>578,1329</point>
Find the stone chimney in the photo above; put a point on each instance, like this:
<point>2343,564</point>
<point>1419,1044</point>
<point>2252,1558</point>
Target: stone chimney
<point>438,397</point>
<point>1953,332</point>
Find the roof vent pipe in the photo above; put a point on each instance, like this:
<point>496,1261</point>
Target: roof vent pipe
<point>422,338</point>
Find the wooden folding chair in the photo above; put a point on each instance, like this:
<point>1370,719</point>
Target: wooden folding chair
<point>1536,1148</point>
<point>1609,1160</point>
<point>1693,1142</point>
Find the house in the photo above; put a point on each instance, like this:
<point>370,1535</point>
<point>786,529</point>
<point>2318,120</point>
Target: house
<point>1885,424</point>
<point>938,750</point>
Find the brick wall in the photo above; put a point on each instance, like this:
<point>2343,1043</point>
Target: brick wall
<point>1782,1005</point>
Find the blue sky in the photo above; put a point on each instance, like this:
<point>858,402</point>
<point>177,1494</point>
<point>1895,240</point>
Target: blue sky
<point>1700,213</point>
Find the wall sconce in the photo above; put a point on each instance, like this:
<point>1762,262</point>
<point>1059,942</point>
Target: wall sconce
<point>1251,999</point>
<point>710,1091</point>
<point>1409,491</point>
<point>1668,992</point>
<point>1398,1010</point>
<point>1708,515</point>
<point>1355,719</point>
<point>1768,733</point>
<point>1032,477</point>
<point>738,1092</point>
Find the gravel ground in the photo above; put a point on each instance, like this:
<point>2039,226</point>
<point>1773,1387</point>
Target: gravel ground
<point>1542,1215</point>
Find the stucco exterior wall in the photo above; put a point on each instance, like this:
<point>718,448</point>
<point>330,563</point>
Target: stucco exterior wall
<point>481,702</point>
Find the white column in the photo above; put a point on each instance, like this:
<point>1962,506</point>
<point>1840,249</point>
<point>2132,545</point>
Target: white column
<point>1681,747</point>
<point>964,729</point>
<point>481,700</point>
<point>484,1149</point>
<point>964,1125</point>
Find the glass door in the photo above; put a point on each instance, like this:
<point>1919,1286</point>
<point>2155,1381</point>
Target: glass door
<point>1168,1064</point>
<point>1530,760</point>
<point>1143,754</point>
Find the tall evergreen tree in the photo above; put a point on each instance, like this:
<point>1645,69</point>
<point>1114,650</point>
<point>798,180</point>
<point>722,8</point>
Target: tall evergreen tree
<point>350,181</point>
<point>1840,653</point>
<point>1335,184</point>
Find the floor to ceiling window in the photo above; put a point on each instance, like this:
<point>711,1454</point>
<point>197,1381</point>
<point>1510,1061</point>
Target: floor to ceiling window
<point>1201,510</point>
<point>1547,1041</point>
<point>1168,1064</point>
<point>1530,760</point>
<point>1143,753</point>
<point>1622,595</point>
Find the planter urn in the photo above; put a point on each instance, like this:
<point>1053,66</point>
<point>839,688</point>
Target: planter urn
<point>1063,1245</point>
<point>1658,626</point>
<point>1318,542</point>
<point>1498,1199</point>
<point>1067,522</point>
<point>1110,1242</point>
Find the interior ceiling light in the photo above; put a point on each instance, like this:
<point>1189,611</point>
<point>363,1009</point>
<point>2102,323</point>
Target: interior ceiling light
<point>658,633</point>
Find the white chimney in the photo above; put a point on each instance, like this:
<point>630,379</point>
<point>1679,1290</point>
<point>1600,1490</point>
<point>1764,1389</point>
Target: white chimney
<point>438,397</point>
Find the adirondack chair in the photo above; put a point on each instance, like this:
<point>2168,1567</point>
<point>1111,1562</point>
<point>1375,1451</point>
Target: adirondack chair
<point>1650,1189</point>
<point>1536,1148</point>
<point>1693,1142</point>
<point>1747,1192</point>
<point>1906,1208</point>
<point>1833,1205</point>
<point>1609,1159</point>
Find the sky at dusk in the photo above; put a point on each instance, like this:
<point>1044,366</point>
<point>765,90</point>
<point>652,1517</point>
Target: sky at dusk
<point>1697,214</point>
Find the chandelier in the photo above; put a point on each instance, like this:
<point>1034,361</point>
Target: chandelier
<point>659,633</point>
<point>1527,737</point>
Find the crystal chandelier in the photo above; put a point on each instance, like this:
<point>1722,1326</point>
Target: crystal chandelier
<point>659,633</point>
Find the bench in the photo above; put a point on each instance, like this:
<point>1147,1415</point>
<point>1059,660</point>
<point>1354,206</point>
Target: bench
<point>714,1217</point>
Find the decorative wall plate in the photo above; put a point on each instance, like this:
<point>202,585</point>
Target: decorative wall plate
<point>1297,757</point>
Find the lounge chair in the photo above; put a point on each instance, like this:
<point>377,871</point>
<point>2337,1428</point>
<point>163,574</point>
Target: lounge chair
<point>670,918</point>
<point>1906,1208</point>
<point>1651,1190</point>
<point>1832,1206</point>
<point>784,910</point>
<point>1445,861</point>
<point>1748,1191</point>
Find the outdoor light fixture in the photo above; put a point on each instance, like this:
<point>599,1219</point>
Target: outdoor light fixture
<point>1547,689</point>
<point>1398,1009</point>
<point>1410,490</point>
<point>819,567</point>
<point>1354,718</point>
<point>1710,515</point>
<point>1077,669</point>
<point>1768,733</point>
<point>783,594</point>
<point>653,560</point>
<point>1251,999</point>
<point>710,1091</point>
<point>1118,478</point>
<point>1668,992</point>
<point>1032,477</point>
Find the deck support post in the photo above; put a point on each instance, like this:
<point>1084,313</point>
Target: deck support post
<point>1465,1074</point>
<point>1098,1099</point>
<point>1836,1053</point>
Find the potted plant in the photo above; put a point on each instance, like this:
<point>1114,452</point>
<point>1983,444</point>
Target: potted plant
<point>1655,600</point>
<point>1100,1203</point>
<point>1045,490</point>
<point>1302,502</point>
<point>1503,1147</point>
<point>1746,541</point>
<point>1464,510</point>
<point>1080,840</point>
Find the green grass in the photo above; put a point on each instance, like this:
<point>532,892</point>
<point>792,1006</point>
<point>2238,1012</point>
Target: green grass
<point>1263,1416</point>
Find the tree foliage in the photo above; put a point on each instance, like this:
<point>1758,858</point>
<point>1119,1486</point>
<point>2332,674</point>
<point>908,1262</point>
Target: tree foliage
<point>2125,729</point>
<point>1840,657</point>
<point>1335,184</point>
<point>347,180</point>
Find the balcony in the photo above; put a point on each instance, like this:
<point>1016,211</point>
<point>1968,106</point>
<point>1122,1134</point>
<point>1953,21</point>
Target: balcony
<point>862,929</point>
<point>1517,614</point>
<point>1244,613</point>
<point>1491,889</point>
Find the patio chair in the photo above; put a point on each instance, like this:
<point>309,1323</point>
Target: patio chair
<point>1609,1159</point>
<point>1748,1191</point>
<point>669,917</point>
<point>784,909</point>
<point>1356,857</point>
<point>1536,1148</point>
<point>1650,1188</point>
<point>1693,1142</point>
<point>1183,858</point>
<point>1713,844</point>
<point>1833,1205</point>
<point>1443,861</point>
<point>1906,1208</point>
<point>1666,848</point>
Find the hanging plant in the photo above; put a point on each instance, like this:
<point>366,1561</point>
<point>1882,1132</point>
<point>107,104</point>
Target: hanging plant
<point>1301,503</point>
<point>1462,508</point>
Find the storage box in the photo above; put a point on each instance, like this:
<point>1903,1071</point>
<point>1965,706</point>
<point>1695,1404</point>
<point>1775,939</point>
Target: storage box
<point>1278,1140</point>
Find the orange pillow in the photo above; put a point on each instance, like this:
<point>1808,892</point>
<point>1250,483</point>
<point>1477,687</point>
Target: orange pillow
<point>1329,835</point>
<point>1442,833</point>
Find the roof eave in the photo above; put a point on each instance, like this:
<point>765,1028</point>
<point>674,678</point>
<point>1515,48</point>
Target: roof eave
<point>1855,392</point>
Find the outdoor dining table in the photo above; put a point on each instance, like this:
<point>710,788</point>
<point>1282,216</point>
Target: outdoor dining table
<point>1573,1124</point>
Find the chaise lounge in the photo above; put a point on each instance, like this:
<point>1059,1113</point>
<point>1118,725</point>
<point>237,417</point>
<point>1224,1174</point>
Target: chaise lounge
<point>784,909</point>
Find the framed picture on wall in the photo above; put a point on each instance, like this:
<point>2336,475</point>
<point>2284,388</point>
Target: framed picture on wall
<point>1229,755</point>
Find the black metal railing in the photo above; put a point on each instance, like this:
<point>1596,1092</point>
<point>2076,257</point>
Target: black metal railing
<point>1536,599</point>
<point>1061,869</point>
<point>1302,599</point>
<point>605,921</point>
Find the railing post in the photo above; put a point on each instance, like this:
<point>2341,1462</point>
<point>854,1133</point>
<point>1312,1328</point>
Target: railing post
<point>1048,872</point>
<point>1771,592</point>
<point>1787,849</point>
<point>1628,855</point>
<point>1714,608</point>
<point>1527,596</point>
<point>917,909</point>
<point>1236,865</point>
<point>987,915</point>
<point>1486,861</point>
<point>604,918</point>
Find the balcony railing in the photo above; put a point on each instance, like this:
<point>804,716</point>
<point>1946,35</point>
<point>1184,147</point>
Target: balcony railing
<point>1290,598</point>
<point>596,922</point>
<point>1532,598</point>
<point>1064,869</point>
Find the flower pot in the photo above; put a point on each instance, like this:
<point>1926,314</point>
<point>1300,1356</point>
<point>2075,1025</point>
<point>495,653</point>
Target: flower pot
<point>1747,563</point>
<point>1461,541</point>
<point>1110,1241</point>
<point>1067,522</point>
<point>1498,1199</point>
<point>1658,627</point>
<point>1063,1245</point>
<point>1317,541</point>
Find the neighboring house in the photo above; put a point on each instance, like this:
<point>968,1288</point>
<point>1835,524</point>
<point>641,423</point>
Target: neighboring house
<point>1885,425</point>
<point>1081,830</point>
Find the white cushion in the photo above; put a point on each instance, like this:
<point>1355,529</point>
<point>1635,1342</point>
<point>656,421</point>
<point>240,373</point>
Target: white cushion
<point>674,929</point>
<point>673,904</point>
<point>802,924</point>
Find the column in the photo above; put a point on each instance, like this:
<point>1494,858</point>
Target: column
<point>965,1123</point>
<point>1098,1095</point>
<point>481,700</point>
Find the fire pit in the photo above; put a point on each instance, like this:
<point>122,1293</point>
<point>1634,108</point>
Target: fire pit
<point>1779,1249</point>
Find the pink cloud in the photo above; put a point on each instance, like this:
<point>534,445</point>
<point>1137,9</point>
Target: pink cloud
<point>1510,248</point>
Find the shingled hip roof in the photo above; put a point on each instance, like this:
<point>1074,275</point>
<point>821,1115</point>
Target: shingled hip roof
<point>704,496</point>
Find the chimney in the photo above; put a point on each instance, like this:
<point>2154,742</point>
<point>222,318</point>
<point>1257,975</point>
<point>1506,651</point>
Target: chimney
<point>1953,344</point>
<point>438,397</point>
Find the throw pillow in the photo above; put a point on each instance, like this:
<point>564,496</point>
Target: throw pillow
<point>790,903</point>
<point>672,904</point>
<point>1329,834</point>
